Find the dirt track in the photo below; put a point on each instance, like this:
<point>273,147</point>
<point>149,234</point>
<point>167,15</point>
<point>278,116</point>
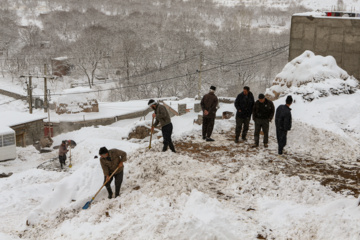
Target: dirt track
<point>339,177</point>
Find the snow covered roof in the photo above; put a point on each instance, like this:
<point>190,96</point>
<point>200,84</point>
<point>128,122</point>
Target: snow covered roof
<point>5,130</point>
<point>9,118</point>
<point>335,14</point>
<point>60,58</point>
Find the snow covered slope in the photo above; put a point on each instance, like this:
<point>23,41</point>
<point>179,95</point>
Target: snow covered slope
<point>218,190</point>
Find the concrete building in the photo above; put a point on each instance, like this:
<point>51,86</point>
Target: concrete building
<point>335,34</point>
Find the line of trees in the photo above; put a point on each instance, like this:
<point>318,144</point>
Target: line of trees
<point>118,40</point>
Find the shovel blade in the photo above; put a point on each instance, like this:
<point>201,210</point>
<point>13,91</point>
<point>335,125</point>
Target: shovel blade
<point>87,205</point>
<point>70,166</point>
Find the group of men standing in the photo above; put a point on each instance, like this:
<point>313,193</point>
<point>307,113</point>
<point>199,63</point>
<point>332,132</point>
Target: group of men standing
<point>262,112</point>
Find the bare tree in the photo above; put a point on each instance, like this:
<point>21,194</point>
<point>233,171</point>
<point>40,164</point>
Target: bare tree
<point>88,52</point>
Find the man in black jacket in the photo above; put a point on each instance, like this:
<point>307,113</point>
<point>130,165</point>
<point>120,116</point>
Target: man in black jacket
<point>283,123</point>
<point>244,105</point>
<point>263,113</point>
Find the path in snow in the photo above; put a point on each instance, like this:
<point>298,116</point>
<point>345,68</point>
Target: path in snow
<point>338,174</point>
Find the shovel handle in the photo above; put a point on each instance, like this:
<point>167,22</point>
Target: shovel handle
<point>151,132</point>
<point>105,182</point>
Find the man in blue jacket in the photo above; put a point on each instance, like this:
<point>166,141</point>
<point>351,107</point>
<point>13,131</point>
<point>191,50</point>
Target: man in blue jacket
<point>283,123</point>
<point>244,104</point>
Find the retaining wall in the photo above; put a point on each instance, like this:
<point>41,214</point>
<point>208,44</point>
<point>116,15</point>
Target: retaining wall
<point>64,127</point>
<point>338,37</point>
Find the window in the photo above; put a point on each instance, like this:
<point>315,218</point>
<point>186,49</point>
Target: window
<point>0,140</point>
<point>9,139</point>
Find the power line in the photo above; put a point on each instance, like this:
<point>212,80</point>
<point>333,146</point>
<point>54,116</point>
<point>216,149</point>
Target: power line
<point>276,51</point>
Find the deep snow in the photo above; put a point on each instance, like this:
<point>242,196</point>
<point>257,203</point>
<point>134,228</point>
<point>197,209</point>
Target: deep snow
<point>182,196</point>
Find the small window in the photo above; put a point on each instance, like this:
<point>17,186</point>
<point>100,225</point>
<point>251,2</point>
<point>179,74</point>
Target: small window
<point>9,139</point>
<point>0,140</point>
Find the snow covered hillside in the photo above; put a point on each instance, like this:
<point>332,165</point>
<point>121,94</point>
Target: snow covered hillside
<point>218,190</point>
<point>207,190</point>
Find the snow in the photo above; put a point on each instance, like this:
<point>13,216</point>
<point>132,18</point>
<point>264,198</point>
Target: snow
<point>12,118</point>
<point>5,130</point>
<point>175,199</point>
<point>218,190</point>
<point>349,5</point>
<point>312,76</point>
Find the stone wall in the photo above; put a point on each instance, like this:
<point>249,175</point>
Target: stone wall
<point>338,37</point>
<point>64,127</point>
<point>13,95</point>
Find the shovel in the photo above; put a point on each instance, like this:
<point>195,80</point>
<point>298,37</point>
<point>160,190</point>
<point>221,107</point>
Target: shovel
<point>151,132</point>
<point>87,205</point>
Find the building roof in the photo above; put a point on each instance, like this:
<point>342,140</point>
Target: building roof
<point>10,119</point>
<point>331,14</point>
<point>5,130</point>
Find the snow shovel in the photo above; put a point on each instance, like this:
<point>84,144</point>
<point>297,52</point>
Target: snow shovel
<point>70,165</point>
<point>151,132</point>
<point>87,205</point>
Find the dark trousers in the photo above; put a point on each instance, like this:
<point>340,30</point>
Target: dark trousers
<point>62,160</point>
<point>207,127</point>
<point>239,125</point>
<point>281,139</point>
<point>264,125</point>
<point>118,181</point>
<point>166,132</point>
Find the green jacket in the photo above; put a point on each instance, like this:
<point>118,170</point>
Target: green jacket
<point>109,166</point>
<point>162,116</point>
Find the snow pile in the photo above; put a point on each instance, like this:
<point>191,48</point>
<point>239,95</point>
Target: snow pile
<point>312,76</point>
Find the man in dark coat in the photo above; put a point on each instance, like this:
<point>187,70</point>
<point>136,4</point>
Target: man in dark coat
<point>244,105</point>
<point>110,160</point>
<point>62,153</point>
<point>283,123</point>
<point>209,104</point>
<point>263,114</point>
<point>163,118</point>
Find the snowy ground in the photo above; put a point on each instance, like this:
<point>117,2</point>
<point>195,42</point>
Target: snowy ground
<point>219,190</point>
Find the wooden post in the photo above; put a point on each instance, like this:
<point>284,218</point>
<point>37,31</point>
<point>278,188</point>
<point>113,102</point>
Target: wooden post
<point>200,69</point>
<point>46,105</point>
<point>30,94</point>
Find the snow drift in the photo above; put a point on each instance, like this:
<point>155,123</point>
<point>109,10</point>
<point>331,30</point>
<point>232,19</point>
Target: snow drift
<point>312,76</point>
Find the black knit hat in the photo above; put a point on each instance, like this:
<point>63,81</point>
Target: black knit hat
<point>289,99</point>
<point>261,96</point>
<point>103,150</point>
<point>213,88</point>
<point>151,102</point>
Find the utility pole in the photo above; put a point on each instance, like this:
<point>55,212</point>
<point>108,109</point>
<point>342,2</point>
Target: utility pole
<point>46,104</point>
<point>49,133</point>
<point>200,69</point>
<point>30,94</point>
